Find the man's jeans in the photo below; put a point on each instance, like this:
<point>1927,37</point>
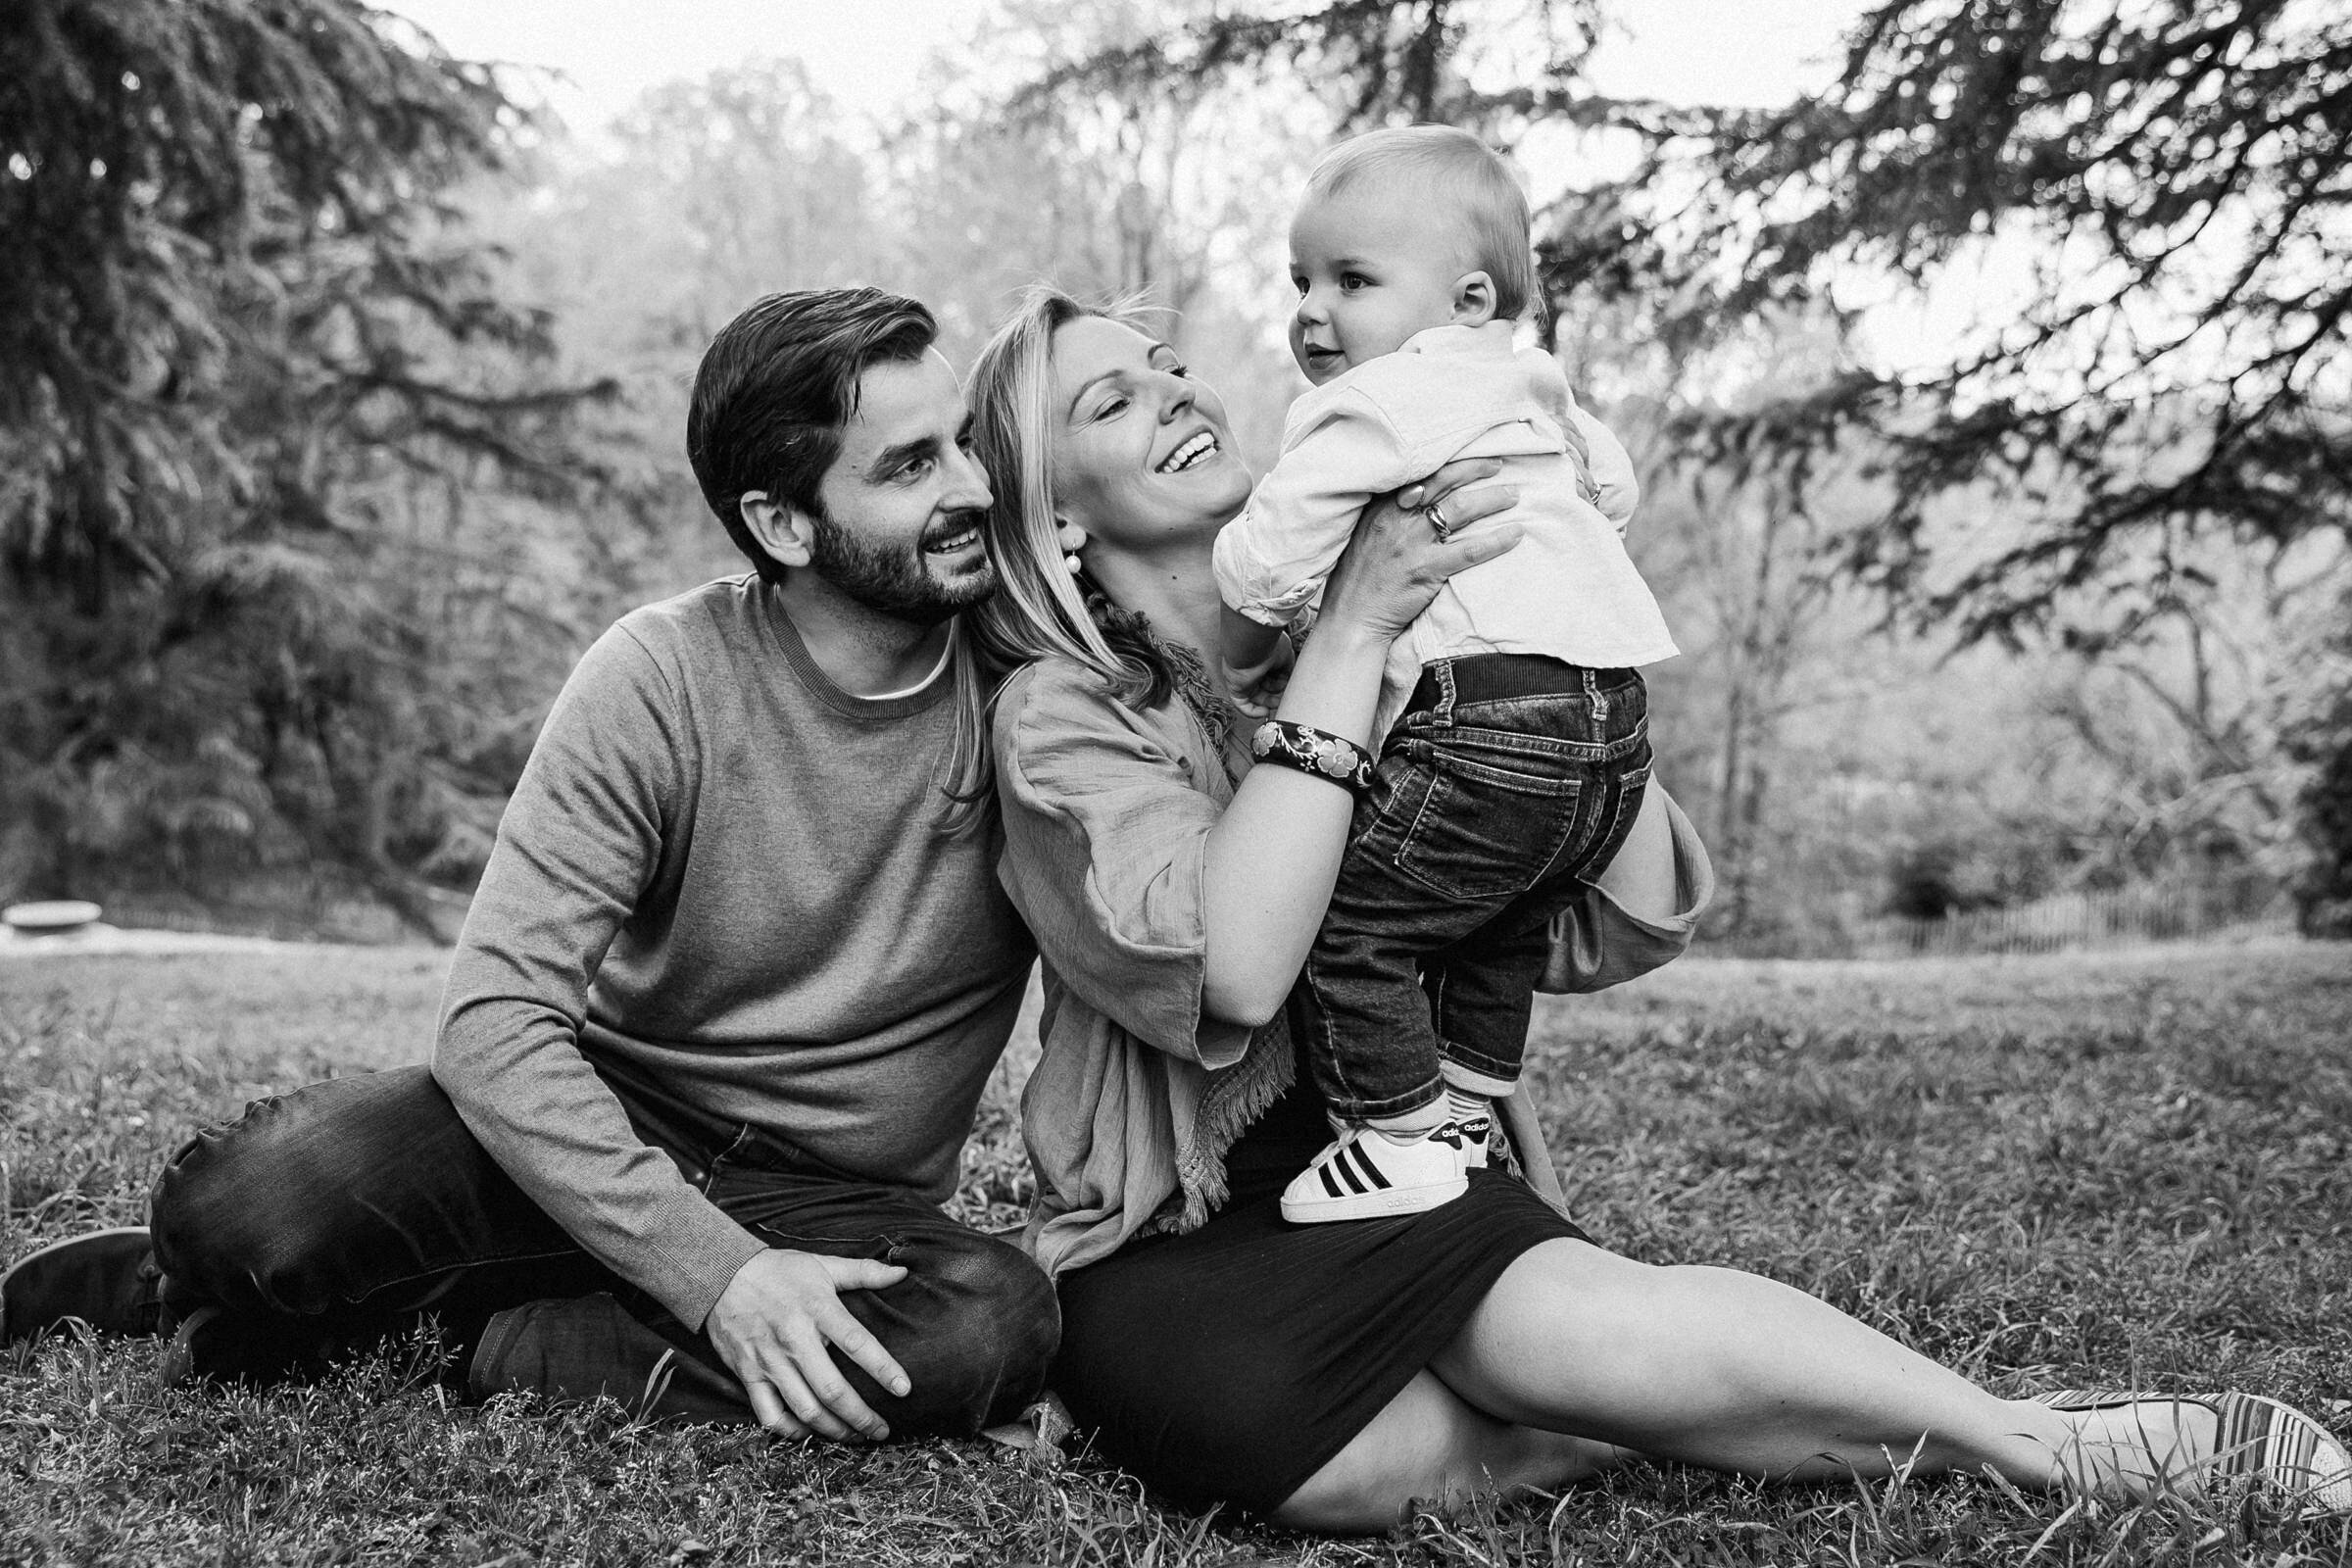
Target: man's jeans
<point>1506,786</point>
<point>327,1218</point>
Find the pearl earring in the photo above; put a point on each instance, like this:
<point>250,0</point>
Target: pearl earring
<point>1072,539</point>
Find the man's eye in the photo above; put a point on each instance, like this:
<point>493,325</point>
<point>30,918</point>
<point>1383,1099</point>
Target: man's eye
<point>915,469</point>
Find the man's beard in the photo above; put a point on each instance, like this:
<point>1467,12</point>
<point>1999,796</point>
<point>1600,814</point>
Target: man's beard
<point>891,580</point>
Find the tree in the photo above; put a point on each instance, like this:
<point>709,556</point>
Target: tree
<point>2170,184</point>
<point>252,379</point>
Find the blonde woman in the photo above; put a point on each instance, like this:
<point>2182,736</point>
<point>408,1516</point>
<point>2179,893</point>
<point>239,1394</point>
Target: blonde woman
<point>1325,1375</point>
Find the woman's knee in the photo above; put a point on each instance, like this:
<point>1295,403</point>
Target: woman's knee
<point>1430,1448</point>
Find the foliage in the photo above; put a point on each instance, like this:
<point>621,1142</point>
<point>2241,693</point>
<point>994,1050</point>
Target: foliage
<point>2323,746</point>
<point>2158,194</point>
<point>255,383</point>
<point>2042,1171</point>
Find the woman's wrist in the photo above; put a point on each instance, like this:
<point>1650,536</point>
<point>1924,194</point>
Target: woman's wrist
<point>1336,684</point>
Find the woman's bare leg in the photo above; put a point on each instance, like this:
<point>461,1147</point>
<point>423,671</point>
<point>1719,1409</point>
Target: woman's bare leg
<point>1735,1372</point>
<point>1428,1444</point>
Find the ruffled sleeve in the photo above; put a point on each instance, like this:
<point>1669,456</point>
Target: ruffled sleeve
<point>1106,822</point>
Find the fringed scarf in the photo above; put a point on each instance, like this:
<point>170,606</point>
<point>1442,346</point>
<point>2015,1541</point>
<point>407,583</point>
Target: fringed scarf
<point>1236,1096</point>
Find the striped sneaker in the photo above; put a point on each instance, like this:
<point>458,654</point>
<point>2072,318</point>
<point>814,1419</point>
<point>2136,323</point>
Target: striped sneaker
<point>1365,1175</point>
<point>2257,1442</point>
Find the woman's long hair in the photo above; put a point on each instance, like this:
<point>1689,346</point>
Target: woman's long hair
<point>1039,608</point>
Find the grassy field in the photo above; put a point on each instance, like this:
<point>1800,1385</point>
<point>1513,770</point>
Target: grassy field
<point>2128,1167</point>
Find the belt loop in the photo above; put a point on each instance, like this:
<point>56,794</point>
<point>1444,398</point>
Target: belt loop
<point>1445,714</point>
<point>1599,700</point>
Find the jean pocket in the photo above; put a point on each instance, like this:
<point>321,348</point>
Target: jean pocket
<point>1492,821</point>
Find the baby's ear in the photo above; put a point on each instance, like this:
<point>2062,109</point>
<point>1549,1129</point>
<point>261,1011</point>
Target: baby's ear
<point>1473,299</point>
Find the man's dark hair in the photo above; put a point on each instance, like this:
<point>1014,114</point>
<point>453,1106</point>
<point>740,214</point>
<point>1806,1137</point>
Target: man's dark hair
<point>775,389</point>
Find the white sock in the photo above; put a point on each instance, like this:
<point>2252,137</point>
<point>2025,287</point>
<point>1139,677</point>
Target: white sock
<point>1464,1106</point>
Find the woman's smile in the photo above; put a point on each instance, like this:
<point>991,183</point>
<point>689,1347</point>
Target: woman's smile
<point>1196,448</point>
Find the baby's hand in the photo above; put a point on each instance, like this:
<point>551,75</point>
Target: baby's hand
<point>1257,689</point>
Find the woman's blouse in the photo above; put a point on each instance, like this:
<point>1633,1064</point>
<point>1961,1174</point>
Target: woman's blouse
<point>1137,1091</point>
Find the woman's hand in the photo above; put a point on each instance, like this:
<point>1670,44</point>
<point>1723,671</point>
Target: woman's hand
<point>1396,562</point>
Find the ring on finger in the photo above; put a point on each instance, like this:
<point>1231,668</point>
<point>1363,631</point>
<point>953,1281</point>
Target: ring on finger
<point>1437,519</point>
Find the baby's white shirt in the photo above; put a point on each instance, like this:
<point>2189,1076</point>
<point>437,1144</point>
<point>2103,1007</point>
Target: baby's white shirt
<point>1568,589</point>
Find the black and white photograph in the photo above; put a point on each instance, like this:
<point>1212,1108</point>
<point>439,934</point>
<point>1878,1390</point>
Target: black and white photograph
<point>1197,783</point>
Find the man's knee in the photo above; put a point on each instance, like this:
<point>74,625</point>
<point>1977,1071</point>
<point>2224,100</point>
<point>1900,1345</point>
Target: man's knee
<point>982,1340</point>
<point>250,1214</point>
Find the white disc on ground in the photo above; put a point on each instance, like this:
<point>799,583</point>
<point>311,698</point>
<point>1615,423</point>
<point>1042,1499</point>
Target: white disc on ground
<point>53,914</point>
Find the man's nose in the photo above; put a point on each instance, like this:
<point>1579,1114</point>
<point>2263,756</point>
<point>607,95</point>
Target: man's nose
<point>967,483</point>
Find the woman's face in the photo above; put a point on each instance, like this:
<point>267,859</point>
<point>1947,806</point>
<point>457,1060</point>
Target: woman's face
<point>1141,453</point>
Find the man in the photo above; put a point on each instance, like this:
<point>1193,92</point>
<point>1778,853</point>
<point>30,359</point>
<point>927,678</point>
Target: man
<point>724,1003</point>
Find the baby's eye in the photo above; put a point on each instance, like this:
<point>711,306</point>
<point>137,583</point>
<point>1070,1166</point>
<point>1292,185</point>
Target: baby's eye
<point>1298,282</point>
<point>1350,282</point>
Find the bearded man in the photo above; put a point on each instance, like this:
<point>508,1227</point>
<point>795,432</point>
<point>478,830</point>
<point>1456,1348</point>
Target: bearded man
<point>723,1007</point>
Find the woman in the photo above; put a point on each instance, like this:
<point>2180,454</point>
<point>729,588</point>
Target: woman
<point>1325,1376</point>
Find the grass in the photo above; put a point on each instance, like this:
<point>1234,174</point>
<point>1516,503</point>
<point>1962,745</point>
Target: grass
<point>2130,1167</point>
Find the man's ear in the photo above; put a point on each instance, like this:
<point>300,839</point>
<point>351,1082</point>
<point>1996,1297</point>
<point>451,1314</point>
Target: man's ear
<point>1472,299</point>
<point>781,529</point>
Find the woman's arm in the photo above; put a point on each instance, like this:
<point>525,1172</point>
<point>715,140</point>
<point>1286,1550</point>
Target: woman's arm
<point>1274,856</point>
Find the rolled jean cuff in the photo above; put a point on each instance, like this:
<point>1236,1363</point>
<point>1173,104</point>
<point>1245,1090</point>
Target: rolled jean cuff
<point>1425,1118</point>
<point>1389,1108</point>
<point>1474,1076</point>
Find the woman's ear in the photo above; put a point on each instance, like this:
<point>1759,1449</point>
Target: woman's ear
<point>783,530</point>
<point>1472,299</point>
<point>1072,539</point>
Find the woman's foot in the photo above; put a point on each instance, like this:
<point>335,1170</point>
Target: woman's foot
<point>2145,1442</point>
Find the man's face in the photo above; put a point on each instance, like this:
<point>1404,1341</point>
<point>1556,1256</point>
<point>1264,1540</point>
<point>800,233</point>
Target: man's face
<point>901,508</point>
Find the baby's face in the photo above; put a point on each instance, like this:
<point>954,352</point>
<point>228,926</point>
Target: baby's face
<point>1373,264</point>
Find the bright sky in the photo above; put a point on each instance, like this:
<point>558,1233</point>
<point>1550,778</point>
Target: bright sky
<point>868,53</point>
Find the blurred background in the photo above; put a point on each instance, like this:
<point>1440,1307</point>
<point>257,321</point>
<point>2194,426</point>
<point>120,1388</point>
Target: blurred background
<point>1985,359</point>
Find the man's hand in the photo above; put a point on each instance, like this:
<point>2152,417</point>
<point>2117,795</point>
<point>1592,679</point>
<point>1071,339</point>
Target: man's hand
<point>772,1325</point>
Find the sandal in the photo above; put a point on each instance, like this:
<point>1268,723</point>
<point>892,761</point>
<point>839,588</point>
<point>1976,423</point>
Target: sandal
<point>2259,1440</point>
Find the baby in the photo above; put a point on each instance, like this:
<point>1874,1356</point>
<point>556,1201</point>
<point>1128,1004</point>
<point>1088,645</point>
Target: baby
<point>1516,725</point>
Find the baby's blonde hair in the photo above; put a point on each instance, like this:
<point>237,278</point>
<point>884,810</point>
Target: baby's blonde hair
<point>1459,170</point>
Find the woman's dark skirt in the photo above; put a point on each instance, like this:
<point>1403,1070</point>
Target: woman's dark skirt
<point>1230,1364</point>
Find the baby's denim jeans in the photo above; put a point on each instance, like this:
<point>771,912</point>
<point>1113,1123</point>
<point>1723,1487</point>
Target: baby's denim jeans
<point>1505,787</point>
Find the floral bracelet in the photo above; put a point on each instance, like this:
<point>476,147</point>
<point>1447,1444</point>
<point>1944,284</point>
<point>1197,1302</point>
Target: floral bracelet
<point>1313,751</point>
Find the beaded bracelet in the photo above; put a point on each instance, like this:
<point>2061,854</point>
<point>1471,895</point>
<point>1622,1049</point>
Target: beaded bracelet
<point>1313,751</point>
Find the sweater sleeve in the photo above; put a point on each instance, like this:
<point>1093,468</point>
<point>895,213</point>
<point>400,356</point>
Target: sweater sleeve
<point>580,841</point>
<point>1273,560</point>
<point>1105,843</point>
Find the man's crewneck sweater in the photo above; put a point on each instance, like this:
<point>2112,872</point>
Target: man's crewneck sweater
<point>722,873</point>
